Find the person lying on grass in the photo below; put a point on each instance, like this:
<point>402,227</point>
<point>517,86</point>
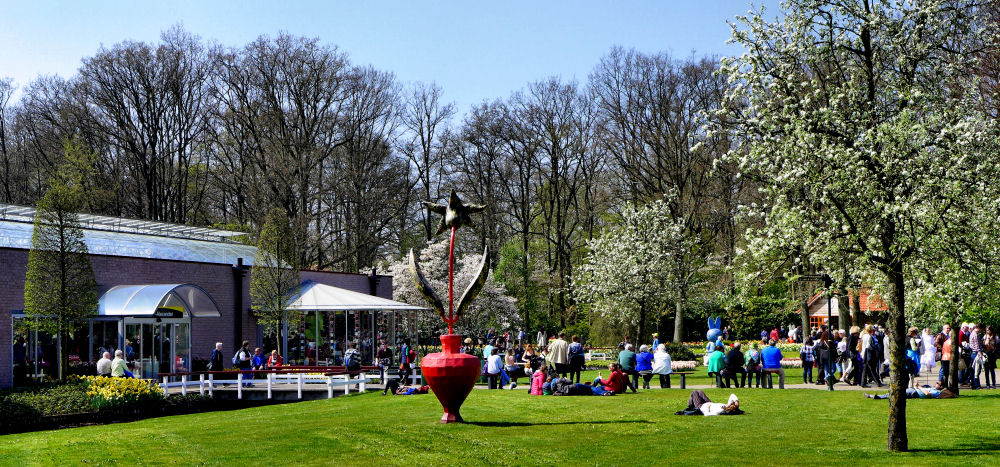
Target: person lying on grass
<point>925,392</point>
<point>700,404</point>
<point>393,387</point>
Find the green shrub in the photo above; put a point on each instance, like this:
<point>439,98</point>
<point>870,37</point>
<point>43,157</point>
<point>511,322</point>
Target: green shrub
<point>678,352</point>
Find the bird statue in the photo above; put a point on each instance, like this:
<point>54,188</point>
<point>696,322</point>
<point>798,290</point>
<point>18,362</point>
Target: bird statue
<point>453,216</point>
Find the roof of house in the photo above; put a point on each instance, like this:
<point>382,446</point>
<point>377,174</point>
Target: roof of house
<point>867,300</point>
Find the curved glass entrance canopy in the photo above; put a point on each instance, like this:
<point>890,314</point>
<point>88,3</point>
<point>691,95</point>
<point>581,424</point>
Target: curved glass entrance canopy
<point>157,300</point>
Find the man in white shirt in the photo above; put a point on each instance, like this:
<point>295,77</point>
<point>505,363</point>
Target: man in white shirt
<point>559,354</point>
<point>493,366</point>
<point>104,365</point>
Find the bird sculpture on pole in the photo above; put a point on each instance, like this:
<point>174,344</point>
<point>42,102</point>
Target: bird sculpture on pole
<point>454,215</point>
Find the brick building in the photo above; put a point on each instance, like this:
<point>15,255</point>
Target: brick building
<point>174,262</point>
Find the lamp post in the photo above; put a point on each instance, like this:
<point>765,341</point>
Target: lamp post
<point>827,283</point>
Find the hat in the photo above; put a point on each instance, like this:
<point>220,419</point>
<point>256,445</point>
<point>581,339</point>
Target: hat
<point>468,340</point>
<point>656,334</point>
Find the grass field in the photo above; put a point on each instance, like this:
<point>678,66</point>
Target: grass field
<point>792,427</point>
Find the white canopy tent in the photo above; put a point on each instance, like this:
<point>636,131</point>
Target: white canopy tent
<point>313,296</point>
<point>327,300</point>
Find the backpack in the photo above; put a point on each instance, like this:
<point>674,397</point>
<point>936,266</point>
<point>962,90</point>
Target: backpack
<point>351,362</point>
<point>236,358</point>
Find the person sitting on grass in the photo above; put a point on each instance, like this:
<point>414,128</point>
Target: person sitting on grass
<point>771,361</point>
<point>700,404</point>
<point>538,380</point>
<point>925,392</point>
<point>615,383</point>
<point>716,362</point>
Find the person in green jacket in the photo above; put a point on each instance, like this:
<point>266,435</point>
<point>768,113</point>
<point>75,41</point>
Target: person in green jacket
<point>626,358</point>
<point>716,362</point>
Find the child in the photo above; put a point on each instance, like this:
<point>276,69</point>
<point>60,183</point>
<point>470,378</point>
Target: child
<point>538,380</point>
<point>806,354</point>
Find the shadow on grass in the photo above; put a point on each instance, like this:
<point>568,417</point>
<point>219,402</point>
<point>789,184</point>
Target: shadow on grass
<point>510,424</point>
<point>979,445</point>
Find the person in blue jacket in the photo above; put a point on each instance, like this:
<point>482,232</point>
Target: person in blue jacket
<point>644,365</point>
<point>771,361</point>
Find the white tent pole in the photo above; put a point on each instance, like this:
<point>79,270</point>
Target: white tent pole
<point>317,337</point>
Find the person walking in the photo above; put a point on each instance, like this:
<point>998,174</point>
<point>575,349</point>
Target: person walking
<point>977,357</point>
<point>215,361</point>
<point>244,360</point>
<point>927,351</point>
<point>559,355</point>
<point>494,363</point>
<point>407,361</point>
<point>990,345</point>
<point>913,354</point>
<point>383,358</point>
<point>869,355</point>
<point>577,359</point>
<point>807,358</point>
<point>661,365</point>
<point>944,335</point>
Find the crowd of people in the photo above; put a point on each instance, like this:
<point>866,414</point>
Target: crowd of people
<point>859,356</point>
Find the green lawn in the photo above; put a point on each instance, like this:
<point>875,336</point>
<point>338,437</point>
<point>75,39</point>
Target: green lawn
<point>791,427</point>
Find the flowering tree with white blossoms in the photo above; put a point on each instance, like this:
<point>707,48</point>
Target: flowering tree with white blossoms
<point>861,121</point>
<point>633,269</point>
<point>491,308</point>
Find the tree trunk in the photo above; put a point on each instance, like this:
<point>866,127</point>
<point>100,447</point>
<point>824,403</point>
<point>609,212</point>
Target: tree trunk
<point>843,308</point>
<point>642,326</point>
<point>679,323</point>
<point>856,308</point>
<point>806,329</point>
<point>59,352</point>
<point>898,375</point>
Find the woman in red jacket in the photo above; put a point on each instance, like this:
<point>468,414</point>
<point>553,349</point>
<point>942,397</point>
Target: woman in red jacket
<point>614,384</point>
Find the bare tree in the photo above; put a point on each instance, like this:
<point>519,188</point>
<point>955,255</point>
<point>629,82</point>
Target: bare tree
<point>424,117</point>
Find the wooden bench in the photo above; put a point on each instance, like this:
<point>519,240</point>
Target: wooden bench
<point>770,382</point>
<point>683,375</point>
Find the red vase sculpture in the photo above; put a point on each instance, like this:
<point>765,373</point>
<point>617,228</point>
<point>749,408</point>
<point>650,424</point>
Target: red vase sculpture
<point>451,375</point>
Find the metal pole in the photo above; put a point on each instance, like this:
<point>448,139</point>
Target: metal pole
<point>317,338</point>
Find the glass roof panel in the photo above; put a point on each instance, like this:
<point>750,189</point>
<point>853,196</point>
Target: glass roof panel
<point>144,300</point>
<point>99,242</point>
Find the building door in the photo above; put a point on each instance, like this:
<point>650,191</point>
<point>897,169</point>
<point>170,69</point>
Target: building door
<point>158,346</point>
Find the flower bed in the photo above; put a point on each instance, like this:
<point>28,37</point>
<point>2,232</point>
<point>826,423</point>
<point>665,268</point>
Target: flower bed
<point>122,393</point>
<point>91,400</point>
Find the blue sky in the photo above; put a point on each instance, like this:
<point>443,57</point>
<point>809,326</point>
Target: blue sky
<point>475,50</point>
